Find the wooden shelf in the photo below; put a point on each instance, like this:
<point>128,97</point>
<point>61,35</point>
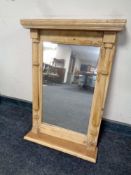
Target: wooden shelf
<point>74,149</point>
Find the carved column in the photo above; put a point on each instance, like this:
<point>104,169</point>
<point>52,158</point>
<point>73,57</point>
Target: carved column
<point>35,73</point>
<point>104,69</point>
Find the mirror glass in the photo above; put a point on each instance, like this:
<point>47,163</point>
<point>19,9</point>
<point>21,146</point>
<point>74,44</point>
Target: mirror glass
<point>69,76</point>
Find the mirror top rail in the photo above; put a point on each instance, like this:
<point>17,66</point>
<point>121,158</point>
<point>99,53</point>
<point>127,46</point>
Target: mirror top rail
<point>75,24</point>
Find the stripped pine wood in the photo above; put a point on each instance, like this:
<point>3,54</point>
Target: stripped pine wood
<point>101,33</point>
<point>35,72</point>
<point>76,24</point>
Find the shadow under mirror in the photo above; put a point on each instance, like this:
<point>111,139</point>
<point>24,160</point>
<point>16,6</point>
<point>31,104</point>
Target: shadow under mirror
<point>69,76</point>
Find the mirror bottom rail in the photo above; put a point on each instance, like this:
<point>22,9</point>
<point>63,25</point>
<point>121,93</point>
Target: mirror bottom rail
<point>62,145</point>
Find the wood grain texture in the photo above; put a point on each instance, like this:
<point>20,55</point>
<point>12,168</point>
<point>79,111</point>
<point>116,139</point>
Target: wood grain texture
<point>40,84</point>
<point>105,64</point>
<point>72,37</point>
<point>76,24</point>
<point>59,132</point>
<point>62,145</point>
<point>35,75</point>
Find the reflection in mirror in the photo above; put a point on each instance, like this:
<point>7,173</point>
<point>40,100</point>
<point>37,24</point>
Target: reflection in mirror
<point>69,76</point>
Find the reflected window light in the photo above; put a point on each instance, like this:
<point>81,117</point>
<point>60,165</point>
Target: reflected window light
<point>50,50</point>
<point>50,45</point>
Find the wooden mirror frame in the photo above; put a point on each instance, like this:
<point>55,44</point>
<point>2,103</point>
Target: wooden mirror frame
<point>101,33</point>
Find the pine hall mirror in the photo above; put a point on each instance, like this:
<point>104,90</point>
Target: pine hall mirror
<point>71,62</point>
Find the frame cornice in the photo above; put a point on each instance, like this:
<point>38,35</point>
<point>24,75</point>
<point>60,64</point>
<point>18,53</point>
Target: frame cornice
<point>77,24</point>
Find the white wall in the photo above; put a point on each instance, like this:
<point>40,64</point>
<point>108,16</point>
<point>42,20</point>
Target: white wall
<point>87,54</point>
<point>64,52</point>
<point>15,47</point>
